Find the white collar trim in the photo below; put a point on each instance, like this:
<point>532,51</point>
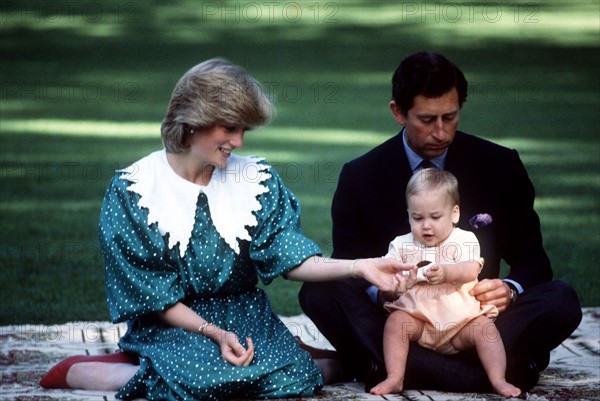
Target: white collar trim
<point>171,200</point>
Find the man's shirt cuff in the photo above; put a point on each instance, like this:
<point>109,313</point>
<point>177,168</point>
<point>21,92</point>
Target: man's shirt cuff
<point>515,284</point>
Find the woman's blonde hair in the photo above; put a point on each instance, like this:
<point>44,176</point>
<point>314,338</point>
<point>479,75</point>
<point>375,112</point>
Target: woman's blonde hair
<point>430,179</point>
<point>211,92</point>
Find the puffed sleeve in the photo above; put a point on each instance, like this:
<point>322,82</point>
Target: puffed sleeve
<point>138,278</point>
<point>278,244</point>
<point>468,246</point>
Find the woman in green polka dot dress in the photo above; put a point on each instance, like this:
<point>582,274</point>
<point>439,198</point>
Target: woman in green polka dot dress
<point>185,233</point>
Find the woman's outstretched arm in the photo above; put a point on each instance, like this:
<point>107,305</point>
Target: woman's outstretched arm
<point>385,273</point>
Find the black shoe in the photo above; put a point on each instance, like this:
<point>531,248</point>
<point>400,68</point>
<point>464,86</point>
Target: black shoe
<point>375,375</point>
<point>542,361</point>
<point>523,372</point>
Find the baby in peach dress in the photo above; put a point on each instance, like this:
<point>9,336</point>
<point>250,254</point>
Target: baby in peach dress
<point>437,311</point>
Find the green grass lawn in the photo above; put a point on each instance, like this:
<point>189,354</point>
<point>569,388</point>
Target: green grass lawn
<point>85,85</point>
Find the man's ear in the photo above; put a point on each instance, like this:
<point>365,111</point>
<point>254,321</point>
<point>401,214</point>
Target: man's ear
<point>399,116</point>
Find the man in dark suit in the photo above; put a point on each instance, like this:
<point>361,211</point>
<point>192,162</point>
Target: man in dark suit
<point>369,210</point>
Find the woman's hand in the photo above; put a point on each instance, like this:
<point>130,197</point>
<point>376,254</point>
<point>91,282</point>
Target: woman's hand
<point>180,315</point>
<point>233,351</point>
<point>384,273</point>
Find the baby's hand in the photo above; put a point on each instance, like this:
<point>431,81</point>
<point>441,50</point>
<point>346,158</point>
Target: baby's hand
<point>435,273</point>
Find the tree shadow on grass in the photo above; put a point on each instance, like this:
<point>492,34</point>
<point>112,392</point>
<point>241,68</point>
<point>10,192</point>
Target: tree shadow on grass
<point>112,61</point>
<point>329,75</point>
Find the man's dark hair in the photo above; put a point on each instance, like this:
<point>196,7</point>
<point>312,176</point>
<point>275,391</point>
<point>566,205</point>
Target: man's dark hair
<point>427,74</point>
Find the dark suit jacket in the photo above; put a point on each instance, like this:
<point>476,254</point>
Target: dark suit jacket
<point>369,206</point>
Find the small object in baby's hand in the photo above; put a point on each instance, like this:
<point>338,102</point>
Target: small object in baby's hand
<point>423,266</point>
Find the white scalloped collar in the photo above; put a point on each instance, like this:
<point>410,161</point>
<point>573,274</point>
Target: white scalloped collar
<point>171,200</point>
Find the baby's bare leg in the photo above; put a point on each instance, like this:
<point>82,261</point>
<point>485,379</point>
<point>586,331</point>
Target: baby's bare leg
<point>484,336</point>
<point>400,329</point>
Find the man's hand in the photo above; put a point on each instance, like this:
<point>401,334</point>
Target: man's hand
<point>492,292</point>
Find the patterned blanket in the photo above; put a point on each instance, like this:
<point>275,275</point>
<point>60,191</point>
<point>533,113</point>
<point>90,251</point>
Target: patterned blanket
<point>28,351</point>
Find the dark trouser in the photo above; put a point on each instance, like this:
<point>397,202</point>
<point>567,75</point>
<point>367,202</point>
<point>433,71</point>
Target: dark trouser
<point>541,319</point>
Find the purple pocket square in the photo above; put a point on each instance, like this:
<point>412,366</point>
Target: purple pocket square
<point>480,220</point>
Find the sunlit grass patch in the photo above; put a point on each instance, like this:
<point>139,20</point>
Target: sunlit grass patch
<point>85,86</point>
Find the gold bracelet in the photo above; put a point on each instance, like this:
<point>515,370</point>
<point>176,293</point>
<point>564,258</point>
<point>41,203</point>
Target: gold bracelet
<point>352,268</point>
<point>203,326</point>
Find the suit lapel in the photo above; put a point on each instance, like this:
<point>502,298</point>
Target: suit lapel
<point>459,162</point>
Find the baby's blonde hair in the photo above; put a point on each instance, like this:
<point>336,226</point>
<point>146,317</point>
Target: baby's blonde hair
<point>430,179</point>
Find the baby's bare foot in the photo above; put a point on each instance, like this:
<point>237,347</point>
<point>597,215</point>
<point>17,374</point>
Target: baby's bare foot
<point>389,385</point>
<point>506,389</point>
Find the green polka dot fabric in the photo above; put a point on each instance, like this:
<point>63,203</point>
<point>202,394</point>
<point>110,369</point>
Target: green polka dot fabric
<point>145,275</point>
